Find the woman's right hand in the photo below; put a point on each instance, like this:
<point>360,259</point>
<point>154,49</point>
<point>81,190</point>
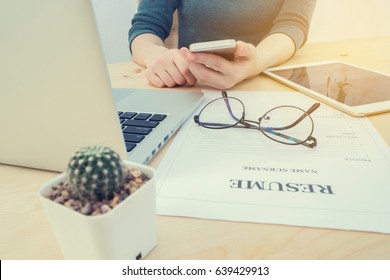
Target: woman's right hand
<point>169,69</point>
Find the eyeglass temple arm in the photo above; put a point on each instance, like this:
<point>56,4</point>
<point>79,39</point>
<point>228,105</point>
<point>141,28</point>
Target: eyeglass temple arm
<point>310,142</point>
<point>208,124</point>
<point>226,99</point>
<point>246,123</point>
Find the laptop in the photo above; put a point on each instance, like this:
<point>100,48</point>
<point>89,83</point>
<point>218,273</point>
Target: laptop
<point>55,92</point>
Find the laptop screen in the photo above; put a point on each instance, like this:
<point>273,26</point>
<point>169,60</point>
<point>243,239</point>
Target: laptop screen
<point>53,83</point>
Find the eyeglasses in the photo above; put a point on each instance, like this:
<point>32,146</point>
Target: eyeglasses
<point>285,124</point>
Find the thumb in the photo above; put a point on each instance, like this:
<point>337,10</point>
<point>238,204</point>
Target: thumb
<point>185,52</point>
<point>242,49</point>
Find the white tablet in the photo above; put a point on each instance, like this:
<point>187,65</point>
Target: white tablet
<point>349,88</point>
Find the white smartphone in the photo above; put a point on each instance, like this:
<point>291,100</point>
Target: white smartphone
<point>224,48</point>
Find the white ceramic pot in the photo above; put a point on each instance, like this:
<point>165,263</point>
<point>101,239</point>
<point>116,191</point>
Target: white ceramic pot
<point>128,231</point>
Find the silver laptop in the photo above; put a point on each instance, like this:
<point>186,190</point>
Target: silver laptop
<point>55,93</point>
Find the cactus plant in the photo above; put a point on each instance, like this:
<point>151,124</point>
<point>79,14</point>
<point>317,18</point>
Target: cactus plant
<point>95,195</point>
<point>95,173</point>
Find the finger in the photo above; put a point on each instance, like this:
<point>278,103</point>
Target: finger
<point>182,65</point>
<point>155,80</point>
<point>176,74</point>
<point>185,52</point>
<point>160,78</point>
<point>242,49</point>
<point>167,79</point>
<point>209,77</point>
<point>190,78</point>
<point>212,61</point>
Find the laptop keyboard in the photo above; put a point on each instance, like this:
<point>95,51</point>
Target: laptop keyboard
<point>136,126</point>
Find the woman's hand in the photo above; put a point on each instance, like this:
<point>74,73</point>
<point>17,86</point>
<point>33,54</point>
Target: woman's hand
<point>168,69</point>
<point>248,61</point>
<point>215,71</point>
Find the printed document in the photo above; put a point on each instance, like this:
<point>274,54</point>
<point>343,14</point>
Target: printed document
<point>241,175</point>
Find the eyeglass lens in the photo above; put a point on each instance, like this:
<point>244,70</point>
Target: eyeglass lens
<point>222,113</point>
<point>287,124</point>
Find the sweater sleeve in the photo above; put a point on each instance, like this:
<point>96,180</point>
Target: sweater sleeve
<point>154,17</point>
<point>294,20</point>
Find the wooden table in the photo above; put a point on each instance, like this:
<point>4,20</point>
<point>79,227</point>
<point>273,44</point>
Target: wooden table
<point>26,234</point>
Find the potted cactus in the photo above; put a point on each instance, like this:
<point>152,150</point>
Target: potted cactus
<point>102,207</point>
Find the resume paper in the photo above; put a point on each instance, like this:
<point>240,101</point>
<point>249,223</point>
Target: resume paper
<point>239,174</point>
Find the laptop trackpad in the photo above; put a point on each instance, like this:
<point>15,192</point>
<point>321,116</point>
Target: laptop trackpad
<point>121,93</point>
<point>159,101</point>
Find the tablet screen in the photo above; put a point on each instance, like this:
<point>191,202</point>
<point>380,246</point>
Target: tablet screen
<point>345,83</point>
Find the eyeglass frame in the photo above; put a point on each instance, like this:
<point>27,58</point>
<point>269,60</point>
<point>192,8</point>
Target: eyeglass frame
<point>310,141</point>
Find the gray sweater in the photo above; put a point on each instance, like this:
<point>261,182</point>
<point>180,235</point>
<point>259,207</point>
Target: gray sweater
<point>206,20</point>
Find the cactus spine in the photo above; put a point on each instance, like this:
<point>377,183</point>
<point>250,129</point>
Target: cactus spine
<point>95,173</point>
